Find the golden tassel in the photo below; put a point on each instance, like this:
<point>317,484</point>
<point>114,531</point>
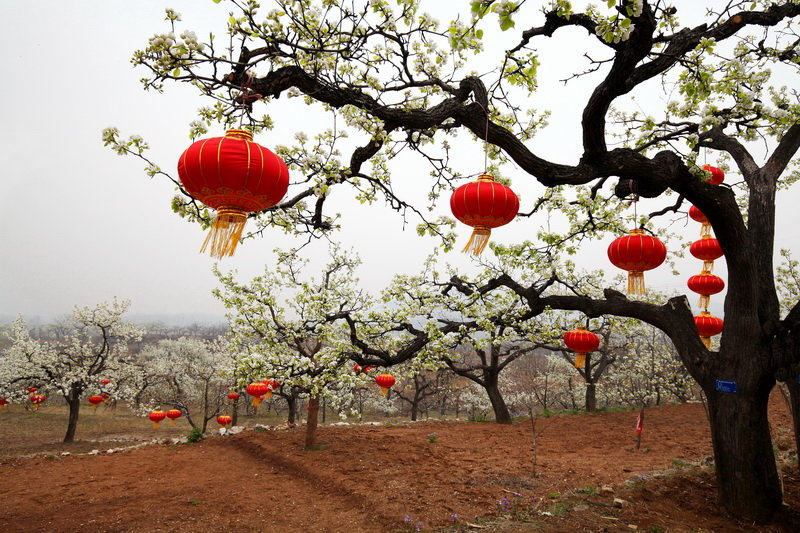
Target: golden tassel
<point>384,391</point>
<point>268,395</point>
<point>171,421</point>
<point>257,401</point>
<point>705,229</point>
<point>478,240</point>
<point>155,425</point>
<point>706,342</point>
<point>225,233</point>
<point>708,266</point>
<point>636,282</point>
<point>705,299</point>
<point>580,360</point>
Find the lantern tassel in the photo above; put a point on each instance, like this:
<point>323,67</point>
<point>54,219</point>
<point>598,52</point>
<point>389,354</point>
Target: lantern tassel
<point>257,401</point>
<point>705,299</point>
<point>384,391</point>
<point>706,342</point>
<point>636,282</point>
<point>225,233</point>
<point>155,425</point>
<point>478,240</point>
<point>580,360</point>
<point>705,229</point>
<point>267,395</point>
<point>171,421</point>
<point>708,266</point>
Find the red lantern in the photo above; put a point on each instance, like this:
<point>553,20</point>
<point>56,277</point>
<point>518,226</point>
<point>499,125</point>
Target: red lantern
<point>698,216</point>
<point>707,326</point>
<point>105,381</point>
<point>233,396</point>
<point>105,397</point>
<point>356,368</point>
<point>385,382</point>
<point>3,403</point>
<point>235,176</point>
<point>636,253</point>
<point>705,284</point>
<point>367,368</point>
<point>483,204</point>
<point>717,174</point>
<point>31,390</point>
<point>224,420</point>
<point>173,414</point>
<point>37,399</point>
<point>581,341</point>
<point>257,390</point>
<point>156,417</point>
<point>95,401</point>
<point>707,250</point>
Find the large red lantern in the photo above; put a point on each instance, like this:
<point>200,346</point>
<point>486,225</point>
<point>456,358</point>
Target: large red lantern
<point>698,216</point>
<point>233,396</point>
<point>235,176</point>
<point>224,420</point>
<point>257,390</point>
<point>636,253</point>
<point>707,250</point>
<point>385,382</point>
<point>483,204</point>
<point>37,399</point>
<point>156,417</point>
<point>581,341</point>
<point>173,414</point>
<point>705,284</point>
<point>717,174</point>
<point>707,326</point>
<point>95,401</point>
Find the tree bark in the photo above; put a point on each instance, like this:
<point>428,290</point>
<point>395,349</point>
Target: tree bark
<point>747,477</point>
<point>235,414</point>
<point>794,403</point>
<point>74,402</point>
<point>591,397</point>
<point>414,412</point>
<point>291,402</point>
<point>311,423</point>
<point>501,413</point>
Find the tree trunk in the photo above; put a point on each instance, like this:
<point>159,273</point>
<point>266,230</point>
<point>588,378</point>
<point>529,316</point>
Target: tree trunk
<point>747,477</point>
<point>794,403</point>
<point>291,402</point>
<point>311,423</point>
<point>591,397</point>
<point>414,412</point>
<point>235,414</point>
<point>501,414</point>
<point>74,402</point>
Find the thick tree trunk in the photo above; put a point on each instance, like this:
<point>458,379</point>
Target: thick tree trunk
<point>235,414</point>
<point>311,423</point>
<point>501,413</point>
<point>749,487</point>
<point>591,397</point>
<point>794,403</point>
<point>291,402</point>
<point>414,412</point>
<point>74,403</point>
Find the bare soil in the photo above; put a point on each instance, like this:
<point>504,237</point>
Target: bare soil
<point>454,476</point>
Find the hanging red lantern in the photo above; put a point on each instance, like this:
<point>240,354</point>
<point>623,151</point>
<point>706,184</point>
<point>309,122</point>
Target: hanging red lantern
<point>717,174</point>
<point>105,381</point>
<point>224,420</point>
<point>235,176</point>
<point>95,401</point>
<point>105,397</point>
<point>367,368</point>
<point>233,396</point>
<point>273,386</point>
<point>483,204</point>
<point>31,390</point>
<point>385,382</point>
<point>707,326</point>
<point>37,399</point>
<point>581,341</point>
<point>356,368</point>
<point>156,417</point>
<point>173,414</point>
<point>698,216</point>
<point>257,390</point>
<point>705,284</point>
<point>707,250</point>
<point>636,253</point>
<point>3,403</point>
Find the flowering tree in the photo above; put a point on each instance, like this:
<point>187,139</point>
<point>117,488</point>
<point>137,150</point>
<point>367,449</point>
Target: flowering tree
<point>92,345</point>
<point>399,79</point>
<point>420,388</point>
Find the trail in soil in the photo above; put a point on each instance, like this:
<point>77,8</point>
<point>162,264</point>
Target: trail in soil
<point>367,478</point>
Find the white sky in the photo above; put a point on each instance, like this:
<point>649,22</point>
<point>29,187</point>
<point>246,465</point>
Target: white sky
<point>80,224</point>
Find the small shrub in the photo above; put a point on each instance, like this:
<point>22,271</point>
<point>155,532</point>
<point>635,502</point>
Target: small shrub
<point>195,435</point>
<point>432,437</point>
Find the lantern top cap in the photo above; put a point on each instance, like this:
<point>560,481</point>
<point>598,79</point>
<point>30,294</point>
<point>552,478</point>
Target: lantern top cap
<point>580,328</point>
<point>239,134</point>
<point>637,231</point>
<point>485,177</point>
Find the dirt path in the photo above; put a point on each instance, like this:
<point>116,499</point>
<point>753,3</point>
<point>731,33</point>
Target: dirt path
<point>368,478</point>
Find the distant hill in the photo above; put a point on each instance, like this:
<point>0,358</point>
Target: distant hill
<point>169,320</point>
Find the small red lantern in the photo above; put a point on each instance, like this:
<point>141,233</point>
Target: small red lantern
<point>31,390</point>
<point>224,420</point>
<point>581,341</point>
<point>717,174</point>
<point>156,417</point>
<point>105,381</point>
<point>235,176</point>
<point>257,390</point>
<point>233,396</point>
<point>705,284</point>
<point>385,382</point>
<point>483,204</point>
<point>356,368</point>
<point>95,401</point>
<point>3,403</point>
<point>173,414</point>
<point>636,253</point>
<point>698,216</point>
<point>707,250</point>
<point>707,326</point>
<point>37,399</point>
<point>367,368</point>
<point>105,397</point>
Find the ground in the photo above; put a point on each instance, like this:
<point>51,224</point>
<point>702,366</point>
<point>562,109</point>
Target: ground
<point>449,476</point>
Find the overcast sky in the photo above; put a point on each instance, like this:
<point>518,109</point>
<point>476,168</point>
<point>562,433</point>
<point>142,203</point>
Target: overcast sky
<point>80,224</point>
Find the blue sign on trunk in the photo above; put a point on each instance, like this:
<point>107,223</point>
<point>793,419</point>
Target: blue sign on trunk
<point>726,386</point>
